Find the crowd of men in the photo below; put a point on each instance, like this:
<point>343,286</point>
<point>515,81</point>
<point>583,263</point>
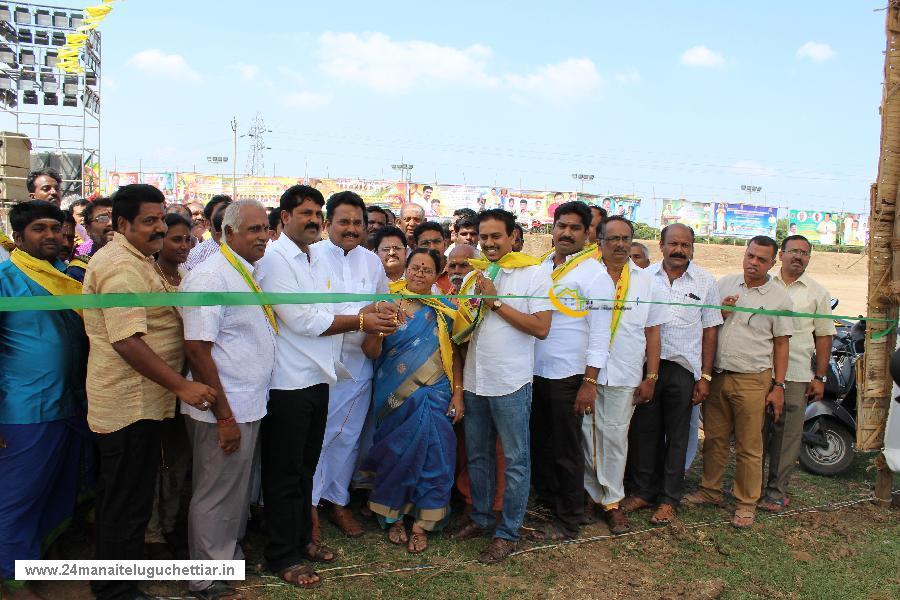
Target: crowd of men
<point>590,397</point>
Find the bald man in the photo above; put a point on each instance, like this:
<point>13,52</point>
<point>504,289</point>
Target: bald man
<point>458,264</point>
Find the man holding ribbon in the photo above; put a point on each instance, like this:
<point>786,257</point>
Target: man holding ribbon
<point>231,349</point>
<point>497,376</point>
<point>566,366</point>
<point>634,340</point>
<point>134,375</point>
<point>42,396</point>
<point>307,363</point>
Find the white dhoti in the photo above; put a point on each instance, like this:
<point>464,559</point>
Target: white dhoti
<point>605,443</point>
<point>348,405</point>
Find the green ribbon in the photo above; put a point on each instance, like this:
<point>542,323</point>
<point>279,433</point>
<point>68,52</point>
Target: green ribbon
<point>99,301</point>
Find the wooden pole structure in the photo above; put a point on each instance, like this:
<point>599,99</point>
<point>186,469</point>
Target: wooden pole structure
<point>874,380</point>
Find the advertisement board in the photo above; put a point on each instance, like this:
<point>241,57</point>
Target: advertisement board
<point>696,215</point>
<point>731,219</point>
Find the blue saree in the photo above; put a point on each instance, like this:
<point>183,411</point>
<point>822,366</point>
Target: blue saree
<point>414,451</point>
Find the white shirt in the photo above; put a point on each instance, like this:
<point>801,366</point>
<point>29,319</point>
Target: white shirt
<point>629,346</point>
<point>243,340</point>
<point>682,337</point>
<point>303,357</point>
<point>358,272</point>
<point>573,342</point>
<point>500,359</point>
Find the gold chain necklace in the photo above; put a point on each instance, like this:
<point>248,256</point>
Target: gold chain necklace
<point>165,277</point>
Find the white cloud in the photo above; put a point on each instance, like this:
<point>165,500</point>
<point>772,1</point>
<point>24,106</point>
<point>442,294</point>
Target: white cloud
<point>247,72</point>
<point>562,83</point>
<point>815,51</point>
<point>701,56</point>
<point>306,100</point>
<point>169,66</point>
<point>749,167</point>
<point>375,60</point>
<point>629,76</point>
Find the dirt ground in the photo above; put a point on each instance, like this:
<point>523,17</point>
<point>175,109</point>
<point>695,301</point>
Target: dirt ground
<point>844,275</point>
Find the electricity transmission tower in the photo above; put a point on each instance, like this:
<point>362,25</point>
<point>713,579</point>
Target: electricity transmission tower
<point>255,156</point>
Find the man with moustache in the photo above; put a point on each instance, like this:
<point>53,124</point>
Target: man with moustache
<point>133,376</point>
<point>752,347</point>
<point>351,269</point>
<point>99,226</point>
<point>458,265</point>
<point>500,333</point>
<point>377,220</point>
<point>802,384</point>
<point>45,184</point>
<point>232,350</point>
<point>658,437</point>
<point>634,341</point>
<point>566,366</point>
<point>307,362</point>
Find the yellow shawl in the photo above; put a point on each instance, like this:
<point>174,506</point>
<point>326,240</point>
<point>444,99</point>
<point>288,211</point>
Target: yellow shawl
<point>251,283</point>
<point>44,274</point>
<point>7,243</point>
<point>471,311</point>
<point>590,251</point>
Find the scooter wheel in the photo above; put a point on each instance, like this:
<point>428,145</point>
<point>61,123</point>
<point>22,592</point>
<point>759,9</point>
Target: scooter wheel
<point>832,459</point>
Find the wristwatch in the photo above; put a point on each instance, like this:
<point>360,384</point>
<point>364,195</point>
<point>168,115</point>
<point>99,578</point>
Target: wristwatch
<point>652,376</point>
<point>823,378</point>
<point>495,305</point>
<point>779,384</point>
<point>706,377</point>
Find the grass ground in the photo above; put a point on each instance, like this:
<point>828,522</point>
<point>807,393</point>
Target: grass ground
<point>837,551</point>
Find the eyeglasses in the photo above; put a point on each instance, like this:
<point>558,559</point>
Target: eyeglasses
<point>101,219</point>
<point>391,249</point>
<point>423,270</point>
<point>798,252</point>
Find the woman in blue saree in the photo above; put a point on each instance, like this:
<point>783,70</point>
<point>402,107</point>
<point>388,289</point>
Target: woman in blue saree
<point>418,398</point>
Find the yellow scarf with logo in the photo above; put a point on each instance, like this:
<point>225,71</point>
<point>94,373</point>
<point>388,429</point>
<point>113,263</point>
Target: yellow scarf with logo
<point>248,278</point>
<point>44,274</point>
<point>7,243</point>
<point>471,311</point>
<point>591,251</point>
<point>619,302</point>
<point>444,342</point>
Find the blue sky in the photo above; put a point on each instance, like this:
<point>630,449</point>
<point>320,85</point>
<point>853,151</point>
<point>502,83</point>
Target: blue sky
<point>669,99</point>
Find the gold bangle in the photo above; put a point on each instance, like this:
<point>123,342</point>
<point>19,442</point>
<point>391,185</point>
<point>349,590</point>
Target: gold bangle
<point>457,387</point>
<point>361,321</point>
<point>590,380</point>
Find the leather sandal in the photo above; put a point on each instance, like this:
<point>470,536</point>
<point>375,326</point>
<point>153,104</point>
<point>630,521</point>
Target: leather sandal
<point>743,519</point>
<point>418,542</point>
<point>497,551</point>
<point>470,531</point>
<point>633,503</point>
<point>342,517</point>
<point>664,515</point>
<point>293,574</point>
<point>396,533</point>
<point>319,553</point>
<point>219,590</point>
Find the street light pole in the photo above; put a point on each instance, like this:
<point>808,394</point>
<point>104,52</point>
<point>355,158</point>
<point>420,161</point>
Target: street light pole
<point>234,159</point>
<point>405,174</point>
<point>582,177</point>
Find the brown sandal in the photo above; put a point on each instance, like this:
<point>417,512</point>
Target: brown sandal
<point>498,550</point>
<point>397,533</point>
<point>293,574</point>
<point>319,553</point>
<point>664,515</point>
<point>418,542</point>
<point>743,519</point>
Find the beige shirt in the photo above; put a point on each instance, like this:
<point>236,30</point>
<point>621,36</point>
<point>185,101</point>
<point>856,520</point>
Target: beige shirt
<point>117,394</point>
<point>808,297</point>
<point>746,339</point>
